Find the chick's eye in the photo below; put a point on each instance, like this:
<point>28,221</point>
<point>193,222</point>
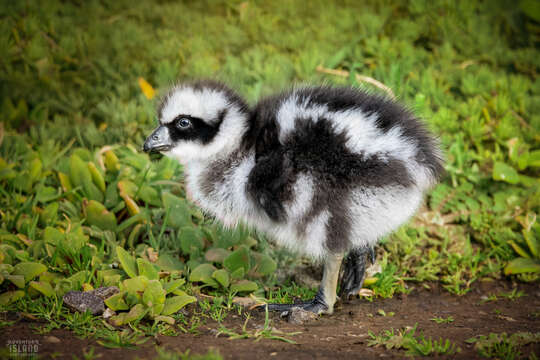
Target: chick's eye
<point>183,123</point>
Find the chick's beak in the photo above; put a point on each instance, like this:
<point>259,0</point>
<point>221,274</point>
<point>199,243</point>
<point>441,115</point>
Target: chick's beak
<point>159,140</point>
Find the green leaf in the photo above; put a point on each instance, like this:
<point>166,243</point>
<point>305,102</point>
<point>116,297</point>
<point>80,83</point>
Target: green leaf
<point>167,319</point>
<point>136,313</point>
<point>11,296</point>
<point>175,303</point>
<point>97,177</point>
<point>135,285</point>
<point>179,212</point>
<point>531,8</point>
<point>147,269</point>
<point>203,273</point>
<point>29,270</point>
<point>264,264</point>
<point>128,262</point>
<point>534,158</point>
<point>504,172</point>
<point>78,171</point>
<point>238,259</point>
<point>43,287</point>
<point>17,280</point>
<point>191,241</point>
<point>173,285</point>
<point>238,273</point>
<point>222,277</point>
<point>167,262</point>
<point>117,302</point>
<point>98,215</point>
<point>216,255</point>
<point>244,286</point>
<point>522,265</point>
<point>154,297</point>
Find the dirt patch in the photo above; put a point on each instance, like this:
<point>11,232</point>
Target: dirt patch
<point>342,335</point>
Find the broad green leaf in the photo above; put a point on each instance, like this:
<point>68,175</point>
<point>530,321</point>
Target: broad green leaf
<point>45,194</point>
<point>216,255</point>
<point>179,212</point>
<point>36,166</point>
<point>147,269</point>
<point>167,319</point>
<point>17,280</point>
<point>78,278</point>
<point>504,172</point>
<point>11,296</point>
<point>136,313</point>
<point>6,269</point>
<point>238,259</point>
<point>149,195</point>
<point>29,270</point>
<point>244,286</point>
<point>126,187</point>
<point>154,297</point>
<point>117,302</point>
<point>167,262</point>
<point>98,215</point>
<point>238,273</point>
<point>135,286</point>
<point>111,161</point>
<point>531,8</point>
<point>97,178</point>
<point>128,262</point>
<point>522,265</point>
<point>203,273</point>
<point>222,277</point>
<point>43,287</point>
<point>264,264</point>
<point>521,252</point>
<point>534,158</point>
<point>53,236</point>
<point>173,285</point>
<point>175,303</point>
<point>49,214</point>
<point>78,171</point>
<point>191,241</point>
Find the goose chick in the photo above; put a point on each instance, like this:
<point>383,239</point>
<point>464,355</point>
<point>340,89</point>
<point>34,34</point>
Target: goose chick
<point>325,171</point>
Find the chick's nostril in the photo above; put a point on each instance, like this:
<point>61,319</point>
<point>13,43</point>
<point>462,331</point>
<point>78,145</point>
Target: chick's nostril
<point>155,137</point>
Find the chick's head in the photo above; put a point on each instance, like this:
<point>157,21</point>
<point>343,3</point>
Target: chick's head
<point>198,121</point>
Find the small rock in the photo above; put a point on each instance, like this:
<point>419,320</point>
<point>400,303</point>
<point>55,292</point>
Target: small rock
<point>297,315</point>
<point>51,339</point>
<point>82,301</point>
<point>108,313</point>
<point>105,292</point>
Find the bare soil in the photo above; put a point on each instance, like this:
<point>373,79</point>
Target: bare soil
<point>343,335</point>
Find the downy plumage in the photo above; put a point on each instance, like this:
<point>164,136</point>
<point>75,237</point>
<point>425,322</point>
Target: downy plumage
<point>324,171</point>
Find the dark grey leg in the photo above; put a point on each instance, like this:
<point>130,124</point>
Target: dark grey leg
<point>324,300</point>
<point>354,271</point>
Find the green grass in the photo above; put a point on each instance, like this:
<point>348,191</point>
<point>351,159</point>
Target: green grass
<point>74,187</point>
<point>414,345</point>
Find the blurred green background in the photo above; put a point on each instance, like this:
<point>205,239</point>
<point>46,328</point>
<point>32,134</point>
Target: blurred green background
<point>74,186</point>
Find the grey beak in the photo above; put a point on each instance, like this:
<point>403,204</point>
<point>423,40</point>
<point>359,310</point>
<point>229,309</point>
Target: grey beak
<point>159,140</point>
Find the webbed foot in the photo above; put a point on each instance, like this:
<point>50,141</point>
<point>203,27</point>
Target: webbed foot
<point>354,271</point>
<point>317,305</point>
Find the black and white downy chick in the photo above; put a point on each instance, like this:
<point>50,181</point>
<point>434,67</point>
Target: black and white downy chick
<point>325,171</point>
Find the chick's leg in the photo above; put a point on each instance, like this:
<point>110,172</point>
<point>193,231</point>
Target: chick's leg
<point>324,300</point>
<point>354,270</point>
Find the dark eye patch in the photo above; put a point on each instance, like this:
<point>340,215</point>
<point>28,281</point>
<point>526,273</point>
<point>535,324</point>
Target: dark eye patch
<point>198,131</point>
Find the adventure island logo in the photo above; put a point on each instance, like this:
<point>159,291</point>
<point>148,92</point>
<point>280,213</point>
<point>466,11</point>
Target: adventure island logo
<point>23,348</point>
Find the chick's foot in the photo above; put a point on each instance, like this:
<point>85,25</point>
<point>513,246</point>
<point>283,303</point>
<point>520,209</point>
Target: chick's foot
<point>317,305</point>
<point>354,271</point>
